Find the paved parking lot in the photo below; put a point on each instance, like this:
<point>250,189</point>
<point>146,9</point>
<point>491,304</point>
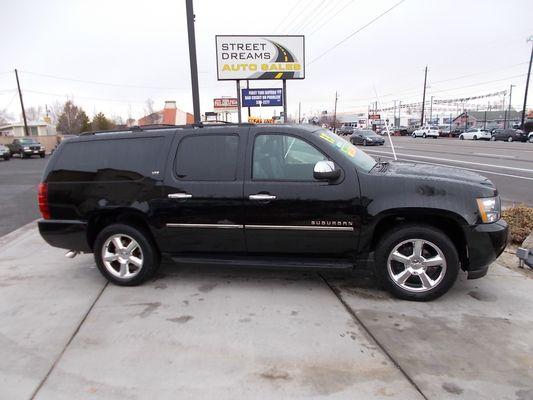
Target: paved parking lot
<point>18,191</point>
<point>197,332</point>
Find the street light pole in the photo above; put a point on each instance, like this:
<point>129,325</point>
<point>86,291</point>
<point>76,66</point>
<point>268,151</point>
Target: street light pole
<point>193,61</point>
<point>530,39</point>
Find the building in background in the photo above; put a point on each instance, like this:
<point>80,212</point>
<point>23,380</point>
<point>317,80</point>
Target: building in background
<point>169,115</point>
<point>487,119</point>
<point>38,128</point>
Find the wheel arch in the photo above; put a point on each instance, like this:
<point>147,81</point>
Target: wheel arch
<point>448,222</point>
<point>132,217</point>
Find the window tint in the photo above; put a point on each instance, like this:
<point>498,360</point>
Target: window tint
<point>283,157</point>
<point>109,160</point>
<point>207,158</point>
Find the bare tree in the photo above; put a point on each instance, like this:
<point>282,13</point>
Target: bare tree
<point>34,113</point>
<point>152,116</point>
<point>73,119</point>
<point>5,117</point>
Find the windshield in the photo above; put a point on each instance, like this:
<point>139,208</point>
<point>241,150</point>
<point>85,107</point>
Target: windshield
<point>28,141</point>
<point>356,156</point>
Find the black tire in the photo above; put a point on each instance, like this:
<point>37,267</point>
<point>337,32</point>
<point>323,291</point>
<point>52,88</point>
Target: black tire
<point>493,138</point>
<point>7,157</point>
<point>42,155</point>
<point>413,136</point>
<point>475,137</point>
<point>364,143</point>
<point>424,135</point>
<point>510,139</point>
<point>150,254</point>
<point>427,233</point>
<point>461,137</point>
<point>530,140</point>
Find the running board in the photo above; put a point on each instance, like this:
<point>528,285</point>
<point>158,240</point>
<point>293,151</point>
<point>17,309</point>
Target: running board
<point>270,262</point>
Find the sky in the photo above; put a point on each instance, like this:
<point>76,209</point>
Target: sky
<point>113,55</point>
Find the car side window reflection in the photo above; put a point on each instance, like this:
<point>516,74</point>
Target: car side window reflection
<point>284,157</point>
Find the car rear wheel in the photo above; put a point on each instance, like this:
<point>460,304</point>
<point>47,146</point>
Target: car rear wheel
<point>475,137</point>
<point>493,138</point>
<point>125,255</point>
<point>417,262</point>
<point>413,136</point>
<point>461,137</point>
<point>424,135</point>
<point>510,139</point>
<point>364,143</point>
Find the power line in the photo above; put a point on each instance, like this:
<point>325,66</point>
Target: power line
<point>480,73</point>
<point>287,15</point>
<point>109,83</point>
<point>328,19</point>
<point>312,16</point>
<point>480,83</point>
<point>84,97</point>
<point>298,19</point>
<point>357,31</point>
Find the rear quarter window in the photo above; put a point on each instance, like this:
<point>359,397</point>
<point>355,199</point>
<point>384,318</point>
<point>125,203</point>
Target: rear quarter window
<point>109,160</point>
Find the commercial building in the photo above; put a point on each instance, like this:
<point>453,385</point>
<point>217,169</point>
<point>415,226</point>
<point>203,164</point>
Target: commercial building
<point>170,115</point>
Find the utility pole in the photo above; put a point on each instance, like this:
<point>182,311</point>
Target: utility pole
<point>193,61</point>
<point>424,96</point>
<point>395,113</point>
<point>22,105</point>
<point>248,87</point>
<point>431,111</point>
<point>239,116</point>
<point>530,39</point>
<point>509,113</point>
<point>335,114</point>
<point>399,113</point>
<point>299,112</point>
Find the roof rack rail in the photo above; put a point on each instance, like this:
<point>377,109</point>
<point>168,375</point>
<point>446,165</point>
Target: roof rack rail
<point>142,128</point>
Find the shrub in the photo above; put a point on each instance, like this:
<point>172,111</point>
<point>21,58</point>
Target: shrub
<point>520,220</point>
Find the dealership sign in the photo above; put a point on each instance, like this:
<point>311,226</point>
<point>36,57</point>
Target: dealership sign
<point>225,104</point>
<point>262,97</point>
<point>260,57</point>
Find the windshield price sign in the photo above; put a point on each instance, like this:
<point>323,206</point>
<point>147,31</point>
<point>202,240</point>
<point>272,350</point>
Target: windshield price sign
<point>260,57</point>
<point>262,97</point>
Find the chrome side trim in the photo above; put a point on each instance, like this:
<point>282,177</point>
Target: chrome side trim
<point>301,227</point>
<point>216,226</point>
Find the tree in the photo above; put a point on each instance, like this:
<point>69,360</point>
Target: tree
<point>73,119</point>
<point>101,123</point>
<point>34,114</point>
<point>152,116</point>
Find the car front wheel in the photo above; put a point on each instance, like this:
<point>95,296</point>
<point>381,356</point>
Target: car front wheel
<point>530,140</point>
<point>125,255</point>
<point>416,262</point>
<point>493,138</point>
<point>510,139</point>
<point>413,136</point>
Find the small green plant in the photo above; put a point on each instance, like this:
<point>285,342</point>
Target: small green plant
<point>520,220</point>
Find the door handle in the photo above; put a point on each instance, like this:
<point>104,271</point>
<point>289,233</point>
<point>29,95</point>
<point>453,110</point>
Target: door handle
<point>179,196</point>
<point>262,197</point>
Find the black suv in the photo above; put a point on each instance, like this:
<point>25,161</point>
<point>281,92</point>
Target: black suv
<point>269,195</point>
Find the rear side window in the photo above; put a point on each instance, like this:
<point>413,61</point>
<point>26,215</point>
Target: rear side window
<point>207,158</point>
<point>109,160</point>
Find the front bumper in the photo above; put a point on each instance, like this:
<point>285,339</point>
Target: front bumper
<point>485,242</point>
<point>65,234</point>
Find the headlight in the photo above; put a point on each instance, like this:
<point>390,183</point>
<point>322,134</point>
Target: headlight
<point>369,139</point>
<point>489,209</point>
<point>25,148</point>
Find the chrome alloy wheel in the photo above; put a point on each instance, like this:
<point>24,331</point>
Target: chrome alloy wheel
<point>416,265</point>
<point>122,256</point>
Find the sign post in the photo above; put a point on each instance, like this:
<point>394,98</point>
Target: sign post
<point>249,57</point>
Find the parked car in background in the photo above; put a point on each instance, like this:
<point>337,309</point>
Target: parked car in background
<point>426,131</point>
<point>26,147</point>
<point>444,130</point>
<point>367,138</point>
<point>4,152</point>
<point>346,130</point>
<point>457,131</point>
<point>509,134</point>
<point>475,134</point>
<point>402,131</point>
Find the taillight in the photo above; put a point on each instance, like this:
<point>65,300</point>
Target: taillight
<point>43,200</point>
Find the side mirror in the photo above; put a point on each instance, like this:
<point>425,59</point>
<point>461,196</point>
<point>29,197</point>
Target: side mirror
<point>325,170</point>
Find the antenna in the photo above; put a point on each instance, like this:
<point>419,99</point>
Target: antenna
<point>386,126</point>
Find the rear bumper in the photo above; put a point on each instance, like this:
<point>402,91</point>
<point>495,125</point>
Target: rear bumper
<point>485,243</point>
<point>65,234</point>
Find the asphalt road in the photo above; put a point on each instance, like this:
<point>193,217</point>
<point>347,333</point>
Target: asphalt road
<point>508,165</point>
<point>19,179</point>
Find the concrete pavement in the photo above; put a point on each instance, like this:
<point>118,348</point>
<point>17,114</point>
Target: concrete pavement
<point>229,333</point>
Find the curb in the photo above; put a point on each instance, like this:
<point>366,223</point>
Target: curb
<point>13,235</point>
